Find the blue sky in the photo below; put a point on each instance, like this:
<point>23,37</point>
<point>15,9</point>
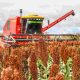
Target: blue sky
<point>51,9</point>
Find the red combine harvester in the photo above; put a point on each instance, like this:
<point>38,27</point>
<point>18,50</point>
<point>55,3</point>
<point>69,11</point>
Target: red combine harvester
<point>22,29</point>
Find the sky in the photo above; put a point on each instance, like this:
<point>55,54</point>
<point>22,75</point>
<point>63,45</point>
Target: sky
<point>50,9</point>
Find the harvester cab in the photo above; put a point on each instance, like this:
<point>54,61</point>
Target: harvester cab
<point>31,24</point>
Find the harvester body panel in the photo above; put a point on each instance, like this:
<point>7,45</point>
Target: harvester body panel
<point>12,26</point>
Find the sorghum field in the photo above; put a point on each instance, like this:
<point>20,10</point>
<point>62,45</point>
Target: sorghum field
<point>57,60</point>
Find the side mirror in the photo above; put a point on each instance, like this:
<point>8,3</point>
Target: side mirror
<point>73,13</point>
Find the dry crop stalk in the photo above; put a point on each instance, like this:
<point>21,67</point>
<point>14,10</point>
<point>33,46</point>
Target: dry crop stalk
<point>41,46</point>
<point>11,74</point>
<point>42,51</point>
<point>6,73</point>
<point>6,61</point>
<point>14,61</point>
<point>76,67</point>
<point>51,78</point>
<point>17,58</point>
<point>54,69</point>
<point>59,77</point>
<point>72,51</point>
<point>54,52</point>
<point>64,54</point>
<point>1,54</point>
<point>32,64</point>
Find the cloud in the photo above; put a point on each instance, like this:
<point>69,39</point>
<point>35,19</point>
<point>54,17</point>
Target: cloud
<point>5,5</point>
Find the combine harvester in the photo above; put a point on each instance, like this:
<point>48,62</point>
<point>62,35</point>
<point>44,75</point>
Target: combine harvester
<point>23,29</point>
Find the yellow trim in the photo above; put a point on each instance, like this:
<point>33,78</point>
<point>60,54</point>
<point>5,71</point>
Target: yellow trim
<point>33,16</point>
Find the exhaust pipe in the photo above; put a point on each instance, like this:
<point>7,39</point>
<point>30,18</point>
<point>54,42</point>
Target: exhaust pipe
<point>21,20</point>
<point>48,21</point>
<point>21,12</point>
